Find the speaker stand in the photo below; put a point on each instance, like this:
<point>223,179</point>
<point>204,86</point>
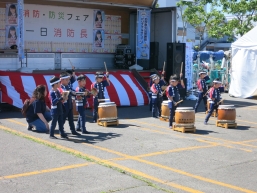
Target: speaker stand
<point>136,66</point>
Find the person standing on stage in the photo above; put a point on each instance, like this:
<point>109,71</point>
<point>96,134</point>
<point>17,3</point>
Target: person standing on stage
<point>99,84</point>
<point>68,112</point>
<point>202,91</point>
<point>215,99</point>
<point>156,97</point>
<point>81,104</point>
<point>56,108</point>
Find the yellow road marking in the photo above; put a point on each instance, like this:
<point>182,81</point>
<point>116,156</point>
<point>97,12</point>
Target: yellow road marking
<point>174,150</point>
<point>45,171</point>
<point>173,169</point>
<point>248,141</point>
<point>99,160</point>
<point>53,169</point>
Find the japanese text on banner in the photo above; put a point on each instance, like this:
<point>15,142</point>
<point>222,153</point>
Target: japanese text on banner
<point>143,34</point>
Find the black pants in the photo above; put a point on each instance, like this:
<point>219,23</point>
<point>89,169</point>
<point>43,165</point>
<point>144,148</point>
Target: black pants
<point>156,107</point>
<point>172,114</point>
<point>69,114</point>
<point>213,106</point>
<point>57,118</point>
<point>200,98</point>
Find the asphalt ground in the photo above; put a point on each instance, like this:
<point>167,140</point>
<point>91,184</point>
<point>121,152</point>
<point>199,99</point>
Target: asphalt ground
<point>140,155</point>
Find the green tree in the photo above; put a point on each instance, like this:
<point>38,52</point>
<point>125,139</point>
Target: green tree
<point>195,14</point>
<point>244,12</point>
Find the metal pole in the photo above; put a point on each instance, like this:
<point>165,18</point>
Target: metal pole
<point>137,35</point>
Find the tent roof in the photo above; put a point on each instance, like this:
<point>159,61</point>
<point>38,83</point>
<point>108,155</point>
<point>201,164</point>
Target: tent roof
<point>249,40</point>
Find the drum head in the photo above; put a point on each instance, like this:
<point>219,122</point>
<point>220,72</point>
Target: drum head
<point>226,107</point>
<point>185,108</point>
<point>107,104</point>
<point>165,102</point>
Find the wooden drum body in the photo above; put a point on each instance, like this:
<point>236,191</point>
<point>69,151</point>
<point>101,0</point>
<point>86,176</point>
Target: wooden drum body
<point>75,113</point>
<point>227,113</point>
<point>165,110</point>
<point>185,116</point>
<point>107,111</point>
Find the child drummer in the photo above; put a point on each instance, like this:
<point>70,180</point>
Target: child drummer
<point>162,82</point>
<point>72,77</point>
<point>99,85</point>
<point>56,108</point>
<point>156,96</point>
<point>173,95</point>
<point>81,103</point>
<point>215,99</point>
<point>202,90</point>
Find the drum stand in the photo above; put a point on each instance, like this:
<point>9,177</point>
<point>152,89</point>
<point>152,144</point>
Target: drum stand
<point>184,128</point>
<point>166,119</point>
<point>226,125</point>
<point>106,123</point>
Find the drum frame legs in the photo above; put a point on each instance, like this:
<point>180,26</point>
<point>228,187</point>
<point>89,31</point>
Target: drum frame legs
<point>214,114</point>
<point>108,123</point>
<point>164,119</point>
<point>184,129</point>
<point>226,125</point>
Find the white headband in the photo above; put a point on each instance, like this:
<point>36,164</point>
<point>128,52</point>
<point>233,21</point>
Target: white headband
<point>173,80</point>
<point>156,77</point>
<point>54,82</point>
<point>99,76</point>
<point>218,82</point>
<point>65,77</point>
<point>202,73</point>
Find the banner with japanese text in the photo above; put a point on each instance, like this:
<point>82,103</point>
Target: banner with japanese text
<point>20,30</point>
<point>143,33</point>
<point>70,29</point>
<point>189,65</point>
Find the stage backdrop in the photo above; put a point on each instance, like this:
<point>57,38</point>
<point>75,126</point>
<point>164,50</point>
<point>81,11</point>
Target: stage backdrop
<point>124,89</point>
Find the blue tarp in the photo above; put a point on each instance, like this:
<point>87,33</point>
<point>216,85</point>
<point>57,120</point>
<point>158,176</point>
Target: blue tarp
<point>205,55</point>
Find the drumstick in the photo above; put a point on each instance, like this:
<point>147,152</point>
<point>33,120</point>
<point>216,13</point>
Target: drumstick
<point>163,69</point>
<point>103,99</point>
<point>181,70</point>
<point>207,92</point>
<point>105,67</point>
<point>179,102</point>
<point>220,101</point>
<point>71,64</point>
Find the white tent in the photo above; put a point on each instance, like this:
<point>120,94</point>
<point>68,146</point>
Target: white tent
<point>244,66</point>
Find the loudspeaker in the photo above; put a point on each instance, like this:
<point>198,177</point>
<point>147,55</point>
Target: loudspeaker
<point>175,56</point>
<point>153,62</point>
<point>154,49</point>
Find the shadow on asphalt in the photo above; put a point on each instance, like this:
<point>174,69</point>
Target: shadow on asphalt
<point>239,104</point>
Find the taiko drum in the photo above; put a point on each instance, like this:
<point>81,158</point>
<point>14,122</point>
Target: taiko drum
<point>227,113</point>
<point>184,115</point>
<point>75,112</point>
<point>165,110</point>
<point>107,111</point>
